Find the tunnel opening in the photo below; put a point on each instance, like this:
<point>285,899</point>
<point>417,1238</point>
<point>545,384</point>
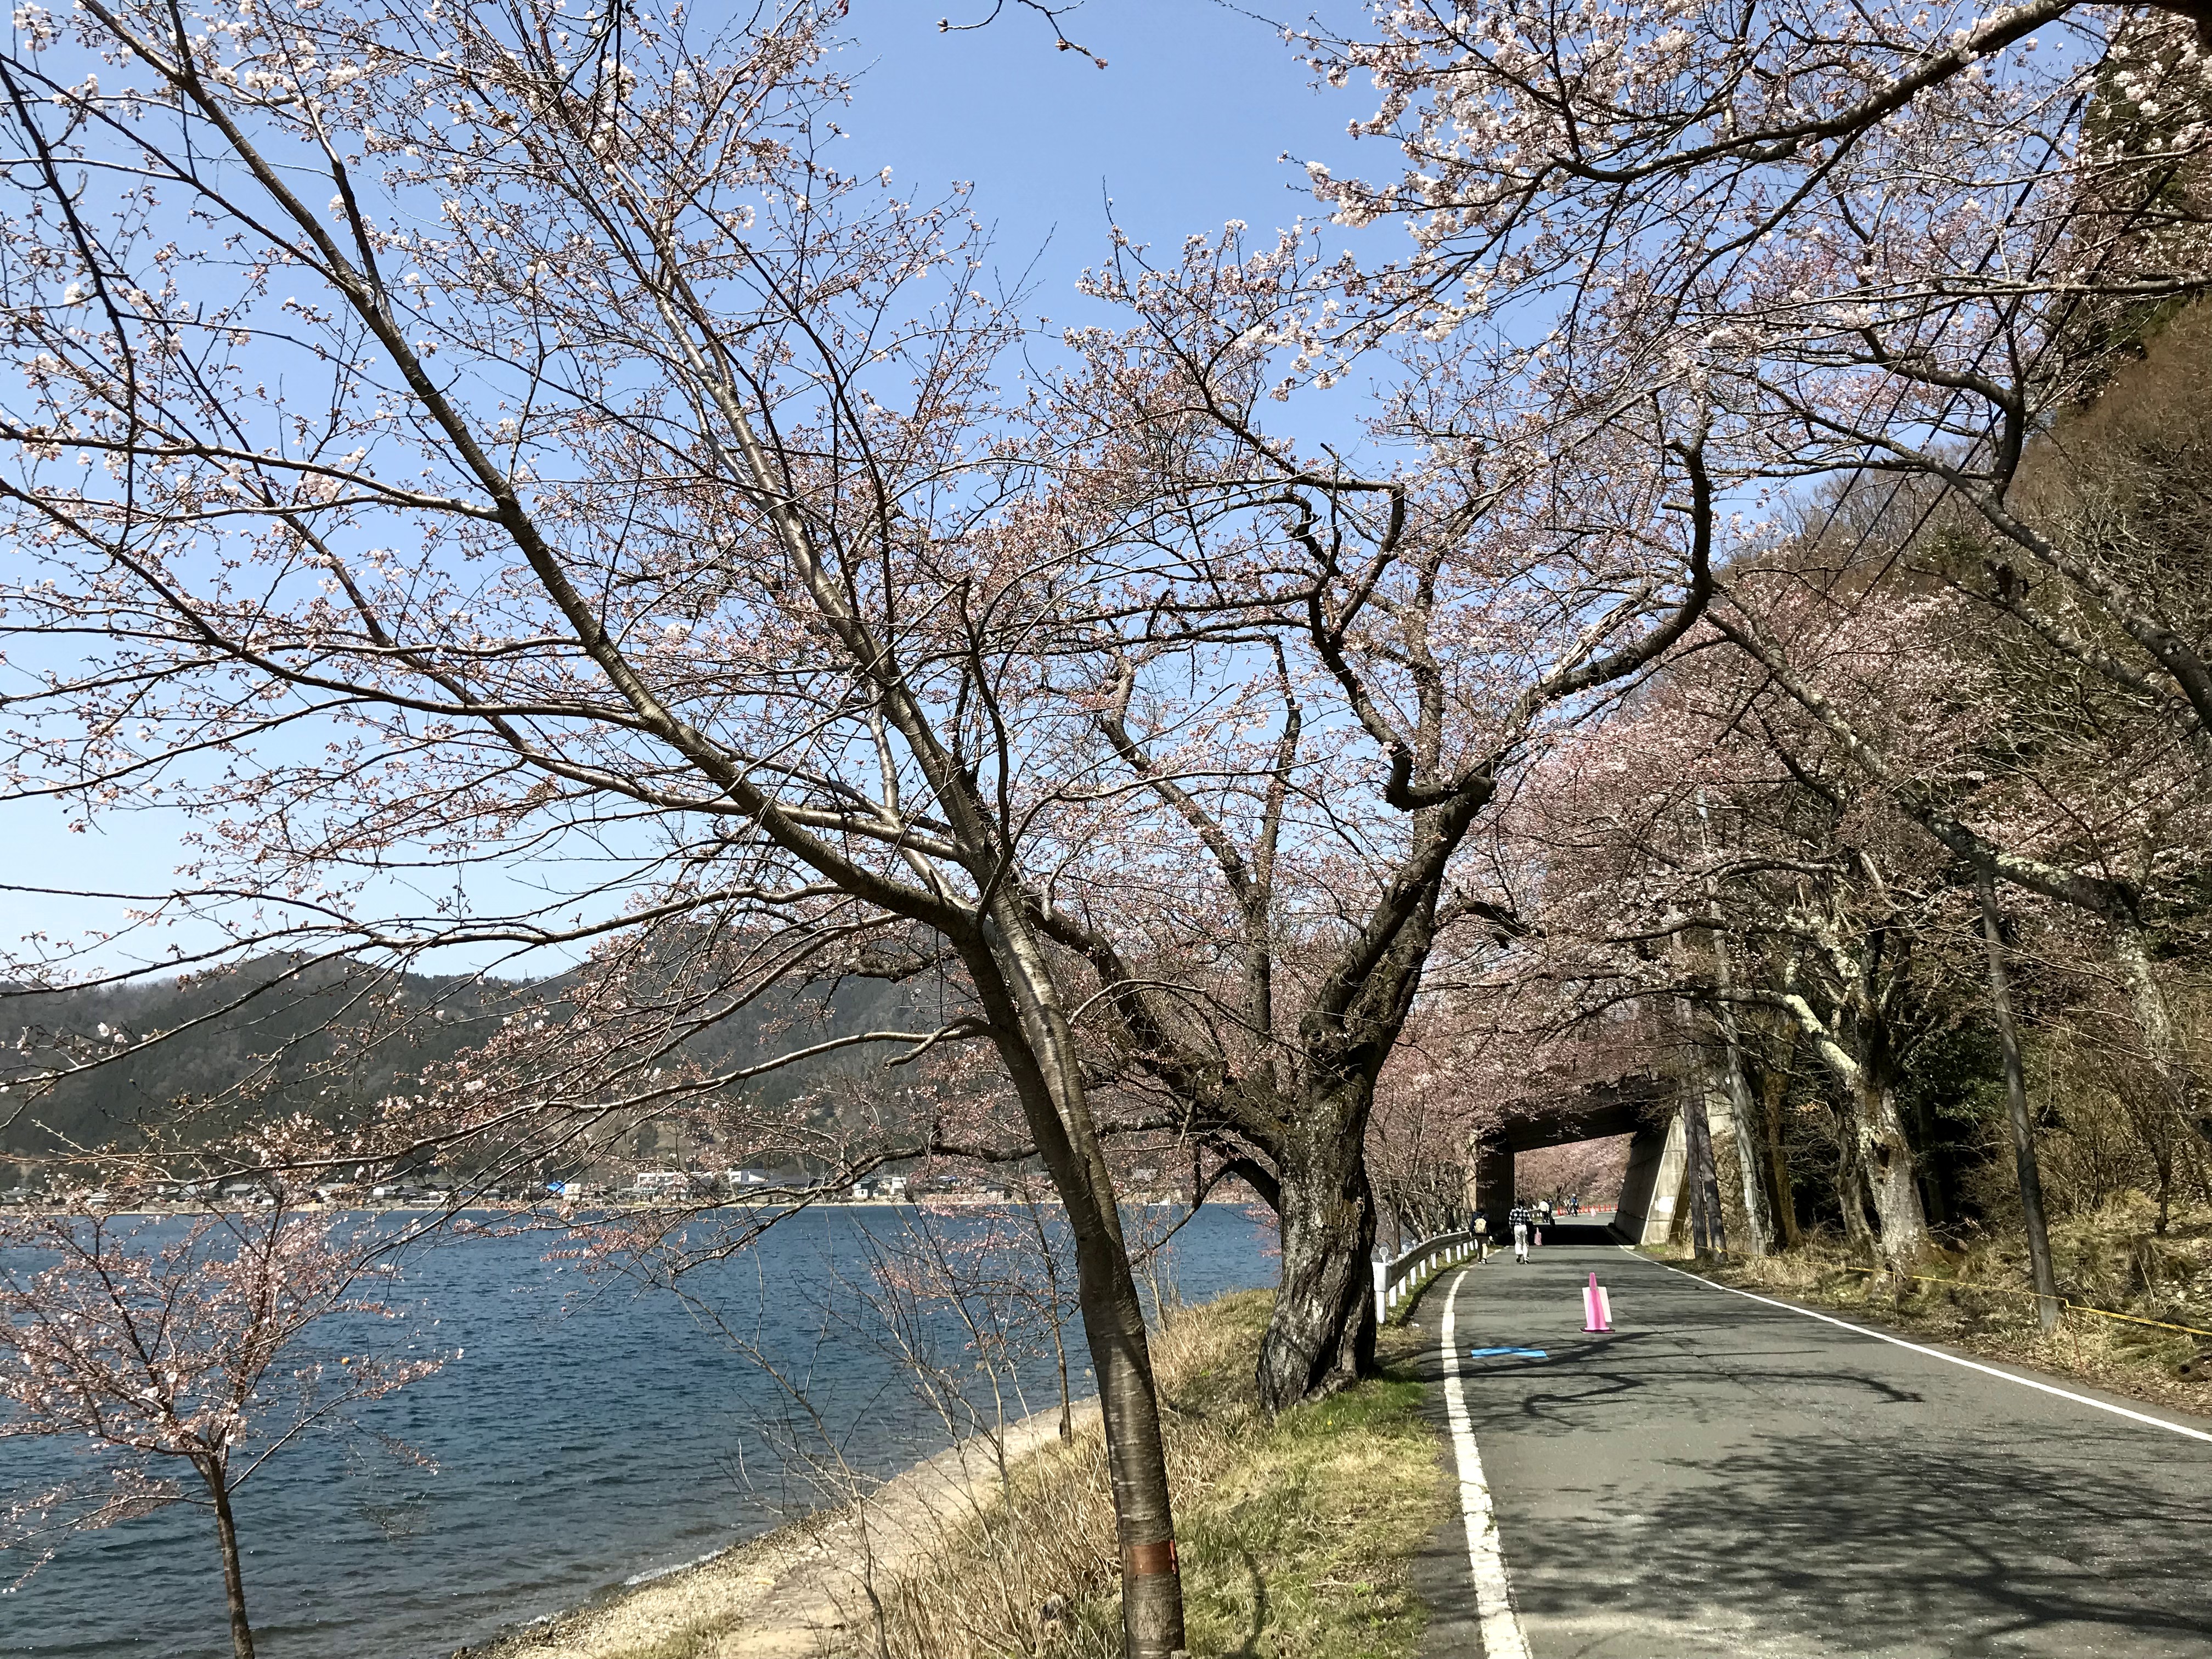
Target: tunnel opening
<point>1579,1178</point>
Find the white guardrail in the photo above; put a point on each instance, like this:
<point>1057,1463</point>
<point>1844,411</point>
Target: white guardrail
<point>1395,1275</point>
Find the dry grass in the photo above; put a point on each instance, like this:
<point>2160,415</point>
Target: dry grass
<point>1973,1299</point>
<point>1294,1534</point>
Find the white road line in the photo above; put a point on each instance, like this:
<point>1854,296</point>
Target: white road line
<point>1932,1354</point>
<point>1493,1602</point>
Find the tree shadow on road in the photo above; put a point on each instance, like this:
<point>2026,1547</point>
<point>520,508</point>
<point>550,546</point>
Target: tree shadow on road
<point>1778,1493</point>
<point>1881,1546</point>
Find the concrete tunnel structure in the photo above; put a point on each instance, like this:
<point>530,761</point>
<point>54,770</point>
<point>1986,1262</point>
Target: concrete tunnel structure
<point>1647,1109</point>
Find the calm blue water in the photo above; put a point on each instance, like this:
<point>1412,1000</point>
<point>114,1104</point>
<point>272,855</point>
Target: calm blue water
<point>591,1432</point>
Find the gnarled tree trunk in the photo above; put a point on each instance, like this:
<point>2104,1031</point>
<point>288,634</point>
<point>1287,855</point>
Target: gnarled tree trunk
<point>1708,1231</point>
<point>1851,1185</point>
<point>1321,1336</point>
<point>1758,1230</point>
<point>1892,1178</point>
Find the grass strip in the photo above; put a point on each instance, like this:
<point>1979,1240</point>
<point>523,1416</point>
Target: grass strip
<point>1295,1532</point>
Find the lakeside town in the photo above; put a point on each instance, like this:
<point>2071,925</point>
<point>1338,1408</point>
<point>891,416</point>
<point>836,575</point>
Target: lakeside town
<point>640,1189</point>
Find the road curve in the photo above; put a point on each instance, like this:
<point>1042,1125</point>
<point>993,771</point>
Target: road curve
<point>1724,1477</point>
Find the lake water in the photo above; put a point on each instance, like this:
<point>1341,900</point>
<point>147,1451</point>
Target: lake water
<point>591,1432</point>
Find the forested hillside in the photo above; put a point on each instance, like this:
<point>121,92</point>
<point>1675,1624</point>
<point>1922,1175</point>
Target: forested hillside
<point>211,1052</point>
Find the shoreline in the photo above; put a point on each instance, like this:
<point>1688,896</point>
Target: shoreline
<point>604,1208</point>
<point>792,1592</point>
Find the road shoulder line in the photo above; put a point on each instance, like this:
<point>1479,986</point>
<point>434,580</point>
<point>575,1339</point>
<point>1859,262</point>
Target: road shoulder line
<point>1916,1347</point>
<point>1502,1635</point>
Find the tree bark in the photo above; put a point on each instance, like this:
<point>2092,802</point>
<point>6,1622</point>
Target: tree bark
<point>1756,1231</point>
<point>1708,1230</point>
<point>233,1581</point>
<point>1758,1234</point>
<point>1030,1031</point>
<point>1851,1184</point>
<point>1066,1401</point>
<point>1887,1161</point>
<point>1700,1182</point>
<point>2169,1061</point>
<point>1321,1337</point>
<point>2017,1121</point>
<point>1776,1081</point>
<point>1136,1463</point>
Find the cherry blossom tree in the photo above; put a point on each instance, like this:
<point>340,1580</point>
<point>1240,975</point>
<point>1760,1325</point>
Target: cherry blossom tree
<point>1408,633</point>
<point>1883,249</point>
<point>1897,247</point>
<point>2100,814</point>
<point>175,1354</point>
<point>629,514</point>
<point>601,480</point>
<point>1701,849</point>
<point>1588,1171</point>
<point>606,497</point>
<point>1888,748</point>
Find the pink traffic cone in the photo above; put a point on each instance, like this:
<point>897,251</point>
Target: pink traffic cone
<point>1597,1309</point>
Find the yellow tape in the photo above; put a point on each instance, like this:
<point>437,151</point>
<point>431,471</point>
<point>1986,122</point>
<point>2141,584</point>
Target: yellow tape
<point>2008,1290</point>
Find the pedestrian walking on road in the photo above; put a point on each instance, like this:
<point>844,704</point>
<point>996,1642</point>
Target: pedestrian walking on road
<point>1519,1235</point>
<point>1481,1228</point>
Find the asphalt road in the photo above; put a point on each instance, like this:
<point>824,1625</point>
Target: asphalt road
<point>1721,1477</point>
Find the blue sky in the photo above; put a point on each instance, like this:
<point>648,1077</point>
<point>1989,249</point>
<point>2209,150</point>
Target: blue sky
<point>1182,127</point>
<point>1182,131</point>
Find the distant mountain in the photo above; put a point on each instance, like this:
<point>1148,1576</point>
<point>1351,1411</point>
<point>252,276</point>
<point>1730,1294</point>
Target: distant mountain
<point>271,1036</point>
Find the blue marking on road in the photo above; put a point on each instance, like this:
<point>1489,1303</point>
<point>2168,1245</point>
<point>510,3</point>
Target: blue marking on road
<point>1514,1354</point>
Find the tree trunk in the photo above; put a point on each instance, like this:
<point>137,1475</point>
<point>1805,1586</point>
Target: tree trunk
<point>1755,1228</point>
<point>2017,1122</point>
<point>1030,1030</point>
<point>1892,1182</point>
<point>1851,1184</point>
<point>1321,1336</point>
<point>1758,1227</point>
<point>1932,1167</point>
<point>1776,1082</point>
<point>1136,1463</point>
<point>1059,1354</point>
<point>1708,1231</point>
<point>2168,1058</point>
<point>1758,1232</point>
<point>1052,1307</point>
<point>233,1582</point>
